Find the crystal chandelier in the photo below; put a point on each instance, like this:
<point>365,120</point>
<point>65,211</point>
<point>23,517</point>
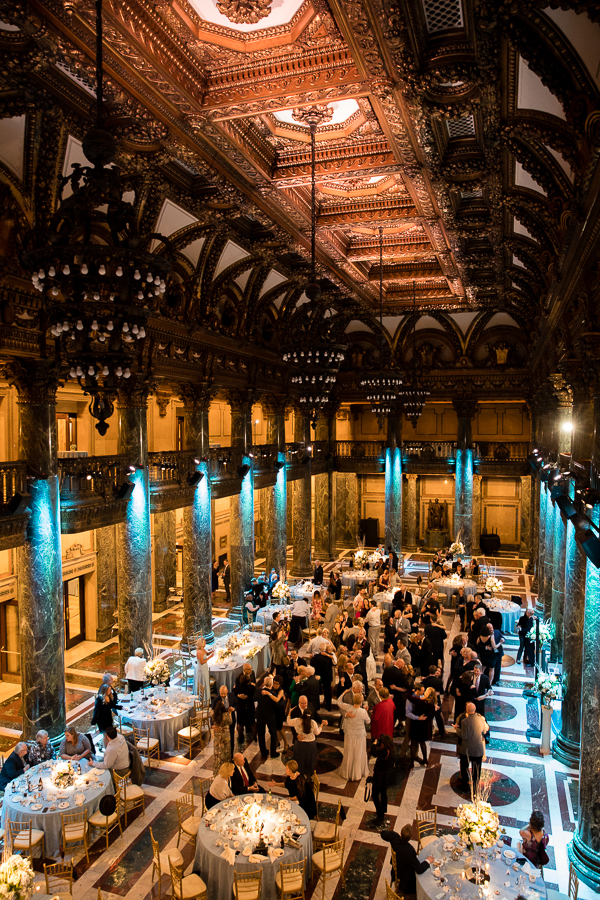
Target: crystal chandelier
<point>381,385</point>
<point>414,391</point>
<point>99,279</point>
<point>318,362</point>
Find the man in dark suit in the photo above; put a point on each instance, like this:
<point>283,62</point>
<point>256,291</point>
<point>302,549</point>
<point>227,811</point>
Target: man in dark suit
<point>408,865</point>
<point>229,701</point>
<point>227,579</point>
<point>312,688</point>
<point>401,597</point>
<point>14,765</point>
<point>526,634</point>
<point>471,733</point>
<point>480,620</point>
<point>480,688</point>
<point>304,706</point>
<point>243,779</point>
<point>392,559</point>
<point>318,573</point>
<point>265,717</point>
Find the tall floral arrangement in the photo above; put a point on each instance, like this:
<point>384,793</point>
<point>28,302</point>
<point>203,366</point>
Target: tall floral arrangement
<point>360,558</point>
<point>547,687</point>
<point>493,584</point>
<point>16,878</point>
<point>157,670</point>
<point>63,775</point>
<point>281,591</point>
<point>457,548</point>
<point>478,824</point>
<point>546,631</point>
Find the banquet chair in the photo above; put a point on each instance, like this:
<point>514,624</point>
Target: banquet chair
<point>316,789</point>
<point>148,746</point>
<point>205,784</point>
<point>106,823</point>
<point>327,832</point>
<point>573,887</point>
<point>394,866</point>
<point>390,894</point>
<point>125,730</point>
<point>189,888</point>
<point>75,830</point>
<point>188,822</point>
<point>25,838</point>
<point>246,885</point>
<point>58,877</point>
<point>329,862</point>
<point>132,796</point>
<point>290,880</point>
<point>204,723</point>
<point>191,734</point>
<point>162,861</point>
<point>426,826</point>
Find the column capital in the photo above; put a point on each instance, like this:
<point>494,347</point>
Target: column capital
<point>411,477</point>
<point>465,407</point>
<point>242,401</point>
<point>36,380</point>
<point>134,393</point>
<point>562,390</point>
<point>477,479</point>
<point>273,405</point>
<point>196,396</point>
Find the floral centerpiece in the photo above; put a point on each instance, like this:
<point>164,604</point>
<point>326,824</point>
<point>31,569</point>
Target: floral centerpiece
<point>547,687</point>
<point>375,558</point>
<point>16,878</point>
<point>457,548</point>
<point>157,671</point>
<point>478,824</point>
<point>361,557</point>
<point>546,631</point>
<point>63,775</point>
<point>281,591</point>
<point>493,584</point>
<point>223,654</point>
<point>251,653</point>
<point>236,641</point>
<point>454,578</point>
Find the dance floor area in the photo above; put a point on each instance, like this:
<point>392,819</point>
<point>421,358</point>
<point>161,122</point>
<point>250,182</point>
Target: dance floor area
<point>522,780</point>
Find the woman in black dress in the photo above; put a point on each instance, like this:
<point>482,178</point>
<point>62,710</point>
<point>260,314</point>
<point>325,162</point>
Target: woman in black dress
<point>300,789</point>
<point>214,577</point>
<point>437,634</point>
<point>385,758</point>
<point>281,702</point>
<point>244,689</point>
<point>487,650</point>
<point>420,728</point>
<point>456,660</point>
<point>103,708</point>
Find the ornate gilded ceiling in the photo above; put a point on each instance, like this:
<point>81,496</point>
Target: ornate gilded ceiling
<point>468,130</point>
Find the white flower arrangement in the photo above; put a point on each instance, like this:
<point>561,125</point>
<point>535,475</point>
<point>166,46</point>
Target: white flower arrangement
<point>457,548</point>
<point>157,670</point>
<point>547,687</point>
<point>237,641</point>
<point>375,558</point>
<point>493,584</point>
<point>281,591</point>
<point>546,631</point>
<point>455,579</point>
<point>16,878</point>
<point>223,654</point>
<point>360,558</point>
<point>251,653</point>
<point>63,775</point>
<point>478,824</point>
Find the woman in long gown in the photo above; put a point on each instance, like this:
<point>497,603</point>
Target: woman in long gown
<point>356,762</point>
<point>201,676</point>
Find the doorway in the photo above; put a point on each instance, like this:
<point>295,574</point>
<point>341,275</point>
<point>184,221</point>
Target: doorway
<point>74,603</point>
<point>10,654</point>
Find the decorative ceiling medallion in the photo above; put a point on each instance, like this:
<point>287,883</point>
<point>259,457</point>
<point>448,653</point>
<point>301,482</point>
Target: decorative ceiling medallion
<point>313,115</point>
<point>246,12</point>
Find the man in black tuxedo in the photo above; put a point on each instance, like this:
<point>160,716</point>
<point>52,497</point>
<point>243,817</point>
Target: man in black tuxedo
<point>229,701</point>
<point>312,688</point>
<point>401,597</point>
<point>480,620</point>
<point>408,865</point>
<point>392,559</point>
<point>304,706</point>
<point>318,573</point>
<point>479,689</point>
<point>243,779</point>
<point>227,579</point>
<point>525,629</point>
<point>264,697</point>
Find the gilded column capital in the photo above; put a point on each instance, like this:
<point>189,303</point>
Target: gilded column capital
<point>242,401</point>
<point>465,407</point>
<point>196,396</point>
<point>562,390</point>
<point>36,380</point>
<point>477,479</point>
<point>411,477</point>
<point>273,405</point>
<point>134,393</point>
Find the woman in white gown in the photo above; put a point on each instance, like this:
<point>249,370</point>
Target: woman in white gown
<point>201,676</point>
<point>356,762</point>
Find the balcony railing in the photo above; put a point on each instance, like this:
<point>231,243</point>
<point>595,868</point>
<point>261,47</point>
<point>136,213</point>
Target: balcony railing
<point>13,480</point>
<point>360,449</point>
<point>84,478</point>
<point>424,450</point>
<point>502,451</point>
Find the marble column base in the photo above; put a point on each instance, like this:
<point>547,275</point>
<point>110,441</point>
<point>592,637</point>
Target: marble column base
<point>566,751</point>
<point>586,862</point>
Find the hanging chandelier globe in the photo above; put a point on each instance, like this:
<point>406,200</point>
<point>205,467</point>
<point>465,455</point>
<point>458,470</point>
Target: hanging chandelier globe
<point>99,279</point>
<point>414,392</point>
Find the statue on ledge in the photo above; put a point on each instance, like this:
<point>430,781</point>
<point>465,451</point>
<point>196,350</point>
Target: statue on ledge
<point>436,515</point>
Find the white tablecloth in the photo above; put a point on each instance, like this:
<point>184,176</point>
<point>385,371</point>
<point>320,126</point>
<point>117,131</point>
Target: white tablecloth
<point>355,577</point>
<point>217,873</point>
<point>227,671</point>
<point>304,591</point>
<point>510,612</point>
<point>265,615</point>
<point>50,822</point>
<point>448,587</point>
<point>163,721</point>
<point>384,599</point>
<point>428,887</point>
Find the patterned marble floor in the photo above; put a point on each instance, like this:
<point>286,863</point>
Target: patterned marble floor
<point>522,779</point>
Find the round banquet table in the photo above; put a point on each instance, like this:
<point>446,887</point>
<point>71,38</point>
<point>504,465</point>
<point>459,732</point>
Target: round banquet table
<point>304,590</point>
<point>448,587</point>
<point>265,615</point>
<point>358,576</point>
<point>164,719</point>
<point>217,873</point>
<point>510,612</point>
<point>384,599</point>
<point>227,671</point>
<point>50,822</point>
<point>428,886</point>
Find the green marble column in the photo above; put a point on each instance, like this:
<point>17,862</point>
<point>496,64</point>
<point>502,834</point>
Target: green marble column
<point>134,578</point>
<point>40,591</point>
<point>564,395</point>
<point>476,530</point>
<point>411,512</point>
<point>525,529</point>
<point>241,532</point>
<point>276,496</point>
<point>346,510</point>
<point>160,548</point>
<point>197,519</point>
<point>324,490</point>
<point>302,502</point>
<point>393,486</point>
<point>106,580</point>
<point>463,482</point>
